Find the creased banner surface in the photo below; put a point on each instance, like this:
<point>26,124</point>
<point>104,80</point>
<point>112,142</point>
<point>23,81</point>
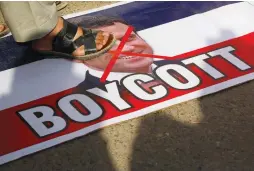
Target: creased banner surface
<point>38,112</point>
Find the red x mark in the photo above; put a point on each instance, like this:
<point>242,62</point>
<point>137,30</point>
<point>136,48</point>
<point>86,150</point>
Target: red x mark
<point>119,51</point>
<point>116,54</point>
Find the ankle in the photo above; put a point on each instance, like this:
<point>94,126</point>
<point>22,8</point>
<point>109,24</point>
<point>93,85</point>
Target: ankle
<point>57,28</point>
<point>45,43</point>
<point>55,31</point>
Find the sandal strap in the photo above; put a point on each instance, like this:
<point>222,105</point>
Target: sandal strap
<point>64,39</point>
<point>88,40</point>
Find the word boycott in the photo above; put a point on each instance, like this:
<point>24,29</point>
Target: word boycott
<point>44,120</point>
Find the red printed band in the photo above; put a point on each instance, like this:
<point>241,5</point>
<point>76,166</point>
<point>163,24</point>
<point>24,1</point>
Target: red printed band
<point>60,117</point>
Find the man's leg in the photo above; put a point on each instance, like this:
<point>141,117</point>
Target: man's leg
<point>29,20</point>
<point>38,22</point>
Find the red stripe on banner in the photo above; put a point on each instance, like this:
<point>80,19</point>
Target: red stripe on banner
<point>16,134</point>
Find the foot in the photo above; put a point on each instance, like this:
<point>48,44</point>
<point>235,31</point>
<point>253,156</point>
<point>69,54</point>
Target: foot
<point>45,43</point>
<point>3,30</point>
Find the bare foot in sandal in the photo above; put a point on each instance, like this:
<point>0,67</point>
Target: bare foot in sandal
<point>70,41</point>
<point>3,30</point>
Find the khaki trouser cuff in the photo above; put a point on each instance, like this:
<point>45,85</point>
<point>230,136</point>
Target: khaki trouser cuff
<point>29,20</point>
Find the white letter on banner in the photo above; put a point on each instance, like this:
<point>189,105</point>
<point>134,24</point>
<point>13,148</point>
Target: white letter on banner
<point>131,83</point>
<point>112,94</point>
<point>38,122</point>
<point>201,63</point>
<point>163,74</point>
<point>67,107</point>
<point>225,53</point>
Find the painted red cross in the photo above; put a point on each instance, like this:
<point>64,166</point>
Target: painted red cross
<point>116,54</point>
<point>119,51</point>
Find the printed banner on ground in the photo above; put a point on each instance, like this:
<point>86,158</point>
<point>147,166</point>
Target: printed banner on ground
<point>49,101</point>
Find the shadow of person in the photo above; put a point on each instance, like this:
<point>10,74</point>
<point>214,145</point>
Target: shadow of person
<point>221,138</point>
<point>86,153</point>
<point>164,144</point>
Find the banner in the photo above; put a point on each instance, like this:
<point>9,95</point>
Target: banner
<point>206,48</point>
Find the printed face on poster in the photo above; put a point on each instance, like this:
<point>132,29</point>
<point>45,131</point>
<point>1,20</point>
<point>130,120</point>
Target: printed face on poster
<point>51,101</point>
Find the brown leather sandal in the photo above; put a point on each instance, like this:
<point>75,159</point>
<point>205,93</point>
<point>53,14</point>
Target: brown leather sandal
<point>63,45</point>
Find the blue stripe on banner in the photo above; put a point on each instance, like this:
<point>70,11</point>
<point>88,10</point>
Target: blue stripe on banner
<point>141,15</point>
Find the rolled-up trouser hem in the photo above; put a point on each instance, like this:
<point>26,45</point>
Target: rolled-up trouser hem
<point>44,29</point>
<point>32,20</point>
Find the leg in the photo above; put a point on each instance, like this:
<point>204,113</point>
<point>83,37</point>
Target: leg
<point>29,20</point>
<point>38,22</point>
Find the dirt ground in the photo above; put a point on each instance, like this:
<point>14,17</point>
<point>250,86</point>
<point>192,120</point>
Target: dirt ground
<point>213,133</point>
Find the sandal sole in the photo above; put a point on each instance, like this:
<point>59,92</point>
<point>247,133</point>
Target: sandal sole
<point>83,58</point>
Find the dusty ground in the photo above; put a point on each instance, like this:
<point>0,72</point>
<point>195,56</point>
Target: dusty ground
<point>215,132</point>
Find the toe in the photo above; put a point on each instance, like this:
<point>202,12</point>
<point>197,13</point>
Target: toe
<point>105,38</point>
<point>98,43</point>
<point>101,40</point>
